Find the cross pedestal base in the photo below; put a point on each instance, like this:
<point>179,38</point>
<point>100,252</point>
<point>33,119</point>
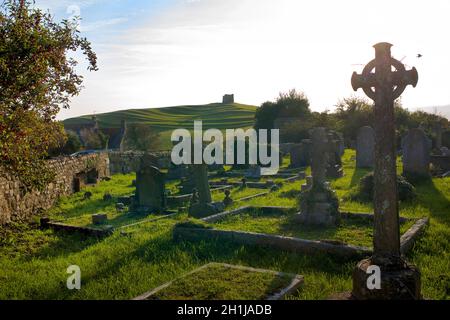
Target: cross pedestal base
<point>400,282</point>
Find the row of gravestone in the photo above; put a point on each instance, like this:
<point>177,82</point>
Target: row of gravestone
<point>151,194</point>
<point>416,151</point>
<point>302,153</point>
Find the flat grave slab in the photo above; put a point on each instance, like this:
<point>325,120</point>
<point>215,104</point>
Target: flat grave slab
<point>273,227</point>
<point>83,224</point>
<point>218,281</point>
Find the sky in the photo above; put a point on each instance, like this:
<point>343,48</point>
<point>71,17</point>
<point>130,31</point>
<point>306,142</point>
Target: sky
<point>159,53</point>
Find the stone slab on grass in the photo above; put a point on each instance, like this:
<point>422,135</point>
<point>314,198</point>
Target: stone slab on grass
<point>273,241</point>
<point>93,232</point>
<point>266,210</point>
<point>287,243</point>
<point>409,237</point>
<point>218,281</point>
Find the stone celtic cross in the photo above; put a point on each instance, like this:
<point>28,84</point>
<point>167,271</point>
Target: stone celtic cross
<point>383,80</point>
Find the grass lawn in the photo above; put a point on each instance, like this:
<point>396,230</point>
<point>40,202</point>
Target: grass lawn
<point>33,263</point>
<point>76,211</point>
<point>356,231</point>
<point>219,282</point>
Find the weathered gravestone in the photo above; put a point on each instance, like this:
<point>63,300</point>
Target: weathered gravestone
<point>301,154</point>
<point>416,148</point>
<point>339,138</point>
<point>438,132</point>
<point>399,280</point>
<point>253,172</point>
<point>297,156</point>
<point>227,202</point>
<point>201,203</point>
<point>365,144</point>
<point>318,203</point>
<point>334,167</point>
<point>150,188</point>
<point>177,171</point>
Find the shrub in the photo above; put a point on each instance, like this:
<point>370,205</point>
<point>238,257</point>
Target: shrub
<point>365,189</point>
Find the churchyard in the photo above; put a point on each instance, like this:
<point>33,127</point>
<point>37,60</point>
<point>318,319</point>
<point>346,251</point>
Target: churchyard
<point>366,220</point>
<point>143,253</point>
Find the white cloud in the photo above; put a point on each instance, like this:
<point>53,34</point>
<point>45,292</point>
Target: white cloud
<point>200,50</point>
<point>86,27</point>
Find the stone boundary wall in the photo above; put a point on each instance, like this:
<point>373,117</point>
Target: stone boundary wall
<point>18,205</point>
<point>128,162</point>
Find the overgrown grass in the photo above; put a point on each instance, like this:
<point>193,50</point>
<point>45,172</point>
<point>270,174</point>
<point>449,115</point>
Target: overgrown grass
<point>218,282</point>
<point>355,230</point>
<point>33,263</point>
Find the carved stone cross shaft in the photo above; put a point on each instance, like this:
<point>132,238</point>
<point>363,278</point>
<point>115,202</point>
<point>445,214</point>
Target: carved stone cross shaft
<point>384,79</point>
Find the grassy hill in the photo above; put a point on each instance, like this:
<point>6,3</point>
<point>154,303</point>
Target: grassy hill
<point>165,120</point>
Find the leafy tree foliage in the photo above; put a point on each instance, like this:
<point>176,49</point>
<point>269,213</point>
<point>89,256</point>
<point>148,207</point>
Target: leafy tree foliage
<point>94,139</point>
<point>141,137</point>
<point>350,115</point>
<point>292,104</point>
<point>67,145</point>
<point>37,78</point>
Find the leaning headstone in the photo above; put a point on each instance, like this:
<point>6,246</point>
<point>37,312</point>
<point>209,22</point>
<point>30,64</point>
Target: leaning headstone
<point>416,149</point>
<point>319,205</point>
<point>365,144</point>
<point>201,204</point>
<point>150,189</point>
<point>398,280</point>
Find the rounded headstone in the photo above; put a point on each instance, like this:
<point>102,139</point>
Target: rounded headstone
<point>365,146</point>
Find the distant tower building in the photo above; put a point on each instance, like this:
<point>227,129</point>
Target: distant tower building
<point>228,98</point>
<point>95,125</point>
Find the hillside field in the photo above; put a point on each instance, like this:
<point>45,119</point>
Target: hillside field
<point>165,120</point>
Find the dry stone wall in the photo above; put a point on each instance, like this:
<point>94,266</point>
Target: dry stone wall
<point>18,205</point>
<point>128,162</point>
